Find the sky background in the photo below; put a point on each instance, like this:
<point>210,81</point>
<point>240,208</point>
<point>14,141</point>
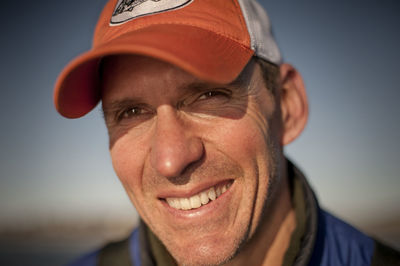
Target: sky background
<point>347,52</point>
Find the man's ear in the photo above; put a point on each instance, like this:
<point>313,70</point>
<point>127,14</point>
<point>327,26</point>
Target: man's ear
<point>294,103</point>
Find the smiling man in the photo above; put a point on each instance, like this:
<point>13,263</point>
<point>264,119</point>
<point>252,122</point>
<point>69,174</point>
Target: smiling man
<point>201,161</point>
<point>198,107</point>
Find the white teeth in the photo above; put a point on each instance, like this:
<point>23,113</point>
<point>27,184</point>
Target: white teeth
<point>223,189</point>
<point>185,204</point>
<point>211,194</point>
<point>204,198</point>
<point>174,202</point>
<point>195,201</point>
<point>198,200</point>
<point>218,191</point>
<point>171,202</point>
<point>177,203</point>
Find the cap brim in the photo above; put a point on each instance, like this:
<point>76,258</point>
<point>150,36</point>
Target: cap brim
<point>202,53</point>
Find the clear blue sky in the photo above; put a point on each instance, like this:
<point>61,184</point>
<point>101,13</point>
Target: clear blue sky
<point>347,51</point>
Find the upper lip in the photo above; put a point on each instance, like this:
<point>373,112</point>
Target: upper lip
<point>189,192</point>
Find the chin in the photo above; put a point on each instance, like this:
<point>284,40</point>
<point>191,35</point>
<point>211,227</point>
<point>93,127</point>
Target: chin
<point>216,251</point>
<point>204,257</point>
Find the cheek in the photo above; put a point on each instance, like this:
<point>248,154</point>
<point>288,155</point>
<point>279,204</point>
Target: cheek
<point>243,140</point>
<point>248,142</point>
<point>128,160</point>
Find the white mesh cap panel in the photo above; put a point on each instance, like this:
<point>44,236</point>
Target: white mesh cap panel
<point>259,27</point>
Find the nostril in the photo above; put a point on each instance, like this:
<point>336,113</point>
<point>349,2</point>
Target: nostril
<point>179,179</point>
<point>184,176</point>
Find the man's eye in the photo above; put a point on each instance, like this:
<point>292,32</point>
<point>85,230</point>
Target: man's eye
<point>214,93</point>
<point>131,113</point>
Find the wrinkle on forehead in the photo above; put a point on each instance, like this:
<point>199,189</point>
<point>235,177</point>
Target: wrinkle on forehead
<point>113,63</point>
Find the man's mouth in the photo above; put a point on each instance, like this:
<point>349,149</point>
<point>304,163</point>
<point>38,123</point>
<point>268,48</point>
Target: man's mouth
<point>200,199</point>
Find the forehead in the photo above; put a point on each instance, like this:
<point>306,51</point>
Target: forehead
<point>138,74</point>
<point>120,68</point>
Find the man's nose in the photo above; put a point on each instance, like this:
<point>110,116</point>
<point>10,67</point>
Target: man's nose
<point>174,145</point>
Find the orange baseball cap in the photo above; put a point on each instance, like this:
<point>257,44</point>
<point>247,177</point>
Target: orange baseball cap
<point>211,39</point>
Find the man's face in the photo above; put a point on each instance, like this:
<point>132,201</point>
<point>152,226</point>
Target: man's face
<point>198,160</point>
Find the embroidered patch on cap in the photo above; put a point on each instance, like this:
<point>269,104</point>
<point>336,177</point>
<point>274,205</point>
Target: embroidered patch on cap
<point>126,10</point>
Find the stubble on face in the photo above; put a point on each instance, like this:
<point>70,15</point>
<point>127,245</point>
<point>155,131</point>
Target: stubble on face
<point>244,151</point>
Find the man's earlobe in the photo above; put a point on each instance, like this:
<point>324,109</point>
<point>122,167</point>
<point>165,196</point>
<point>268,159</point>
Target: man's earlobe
<point>294,103</point>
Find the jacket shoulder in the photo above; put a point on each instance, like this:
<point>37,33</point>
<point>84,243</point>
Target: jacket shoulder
<point>338,243</point>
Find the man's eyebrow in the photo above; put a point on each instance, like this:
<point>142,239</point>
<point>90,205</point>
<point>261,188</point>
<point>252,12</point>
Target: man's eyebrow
<point>200,85</point>
<point>240,82</point>
<point>197,86</point>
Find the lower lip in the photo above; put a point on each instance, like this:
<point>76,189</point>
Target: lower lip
<point>210,209</point>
